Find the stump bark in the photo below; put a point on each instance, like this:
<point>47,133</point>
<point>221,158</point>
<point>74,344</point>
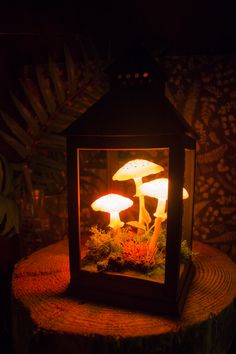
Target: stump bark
<point>46,320</point>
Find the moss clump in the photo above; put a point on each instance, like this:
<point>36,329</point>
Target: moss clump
<point>186,252</point>
<point>125,249</point>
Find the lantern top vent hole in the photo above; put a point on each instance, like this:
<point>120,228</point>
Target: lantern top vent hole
<point>136,68</point>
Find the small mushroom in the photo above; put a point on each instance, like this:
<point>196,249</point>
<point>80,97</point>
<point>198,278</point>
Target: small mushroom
<point>113,204</point>
<point>137,169</point>
<point>158,188</point>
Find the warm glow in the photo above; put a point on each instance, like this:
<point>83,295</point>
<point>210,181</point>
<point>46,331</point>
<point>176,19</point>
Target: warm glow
<point>136,169</point>
<point>113,204</point>
<point>158,188</point>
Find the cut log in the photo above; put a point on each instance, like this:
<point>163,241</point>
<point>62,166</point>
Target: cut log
<point>46,320</point>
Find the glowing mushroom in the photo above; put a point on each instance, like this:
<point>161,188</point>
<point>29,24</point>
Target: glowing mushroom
<point>113,204</point>
<point>137,169</point>
<point>158,188</point>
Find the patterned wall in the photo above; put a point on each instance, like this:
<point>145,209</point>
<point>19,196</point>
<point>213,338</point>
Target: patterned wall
<point>203,89</point>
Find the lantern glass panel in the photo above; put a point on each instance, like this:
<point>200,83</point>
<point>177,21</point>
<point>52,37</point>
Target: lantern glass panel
<point>188,193</point>
<point>124,236</point>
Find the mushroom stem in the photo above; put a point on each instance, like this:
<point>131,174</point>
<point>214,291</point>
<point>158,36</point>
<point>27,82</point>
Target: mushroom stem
<point>144,217</point>
<point>115,221</point>
<point>141,208</point>
<point>160,215</point>
<point>160,210</point>
<point>152,247</point>
<point>138,183</point>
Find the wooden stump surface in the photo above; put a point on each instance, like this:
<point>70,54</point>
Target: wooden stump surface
<point>46,320</point>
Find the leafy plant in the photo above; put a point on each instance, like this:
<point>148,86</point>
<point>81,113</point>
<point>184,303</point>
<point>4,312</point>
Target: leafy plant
<point>9,212</point>
<point>54,95</point>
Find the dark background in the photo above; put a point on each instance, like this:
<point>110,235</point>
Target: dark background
<point>29,31</point>
<point>182,27</point>
<point>177,26</point>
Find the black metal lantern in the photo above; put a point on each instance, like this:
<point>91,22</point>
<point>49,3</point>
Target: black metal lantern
<point>131,163</point>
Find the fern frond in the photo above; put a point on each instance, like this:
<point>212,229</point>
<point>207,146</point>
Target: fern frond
<point>15,144</point>
<point>66,117</point>
<point>6,176</point>
<point>26,115</point>
<point>10,220</point>
<point>45,161</point>
<point>34,100</point>
<point>59,95</point>
<point>57,81</point>
<point>71,71</point>
<point>45,89</point>
<point>16,129</point>
<point>53,141</point>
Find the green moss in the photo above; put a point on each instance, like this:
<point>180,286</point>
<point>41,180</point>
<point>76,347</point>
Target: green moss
<point>186,252</point>
<point>125,249</point>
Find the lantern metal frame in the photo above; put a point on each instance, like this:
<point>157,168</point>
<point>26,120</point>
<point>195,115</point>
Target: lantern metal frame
<point>164,128</point>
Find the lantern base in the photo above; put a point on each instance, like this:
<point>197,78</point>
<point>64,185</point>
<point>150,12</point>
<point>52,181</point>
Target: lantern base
<point>123,291</point>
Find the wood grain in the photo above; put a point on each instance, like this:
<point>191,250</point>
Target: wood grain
<point>46,319</point>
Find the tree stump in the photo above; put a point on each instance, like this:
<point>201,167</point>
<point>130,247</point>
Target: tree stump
<point>46,320</point>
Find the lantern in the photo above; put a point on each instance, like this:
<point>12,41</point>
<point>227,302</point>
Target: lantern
<point>131,163</point>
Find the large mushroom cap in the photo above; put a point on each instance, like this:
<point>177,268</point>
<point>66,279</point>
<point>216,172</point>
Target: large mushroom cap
<point>111,203</point>
<point>135,169</point>
<point>158,188</point>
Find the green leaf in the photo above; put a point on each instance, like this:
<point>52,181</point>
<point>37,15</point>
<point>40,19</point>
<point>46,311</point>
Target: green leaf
<point>45,89</point>
<point>16,129</point>
<point>71,71</point>
<point>18,147</point>
<point>136,224</point>
<point>9,208</point>
<point>7,176</point>
<point>35,103</point>
<point>58,83</point>
<point>145,216</point>
<point>26,115</point>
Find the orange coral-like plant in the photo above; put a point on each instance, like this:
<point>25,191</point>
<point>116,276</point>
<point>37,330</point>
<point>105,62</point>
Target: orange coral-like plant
<point>136,254</point>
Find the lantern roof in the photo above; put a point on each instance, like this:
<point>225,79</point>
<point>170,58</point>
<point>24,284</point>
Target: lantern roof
<point>130,112</point>
<point>135,105</point>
